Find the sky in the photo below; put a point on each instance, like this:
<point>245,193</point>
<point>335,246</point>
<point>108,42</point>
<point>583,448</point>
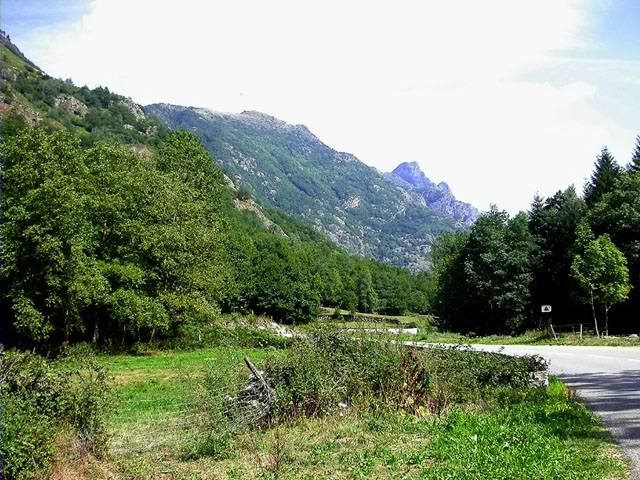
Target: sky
<point>500,99</point>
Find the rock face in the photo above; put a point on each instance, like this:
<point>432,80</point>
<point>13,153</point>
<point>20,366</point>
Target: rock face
<point>287,167</point>
<point>437,197</point>
<point>70,105</point>
<point>134,108</point>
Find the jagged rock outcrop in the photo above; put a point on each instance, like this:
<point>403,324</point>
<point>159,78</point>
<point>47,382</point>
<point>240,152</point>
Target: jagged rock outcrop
<point>71,105</point>
<point>437,197</point>
<point>134,108</point>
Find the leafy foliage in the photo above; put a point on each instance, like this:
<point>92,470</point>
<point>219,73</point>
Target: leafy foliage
<point>40,400</point>
<point>100,239</point>
<point>486,281</point>
<point>485,276</point>
<point>553,224</point>
<point>601,270</point>
<point>319,373</point>
<point>108,245</point>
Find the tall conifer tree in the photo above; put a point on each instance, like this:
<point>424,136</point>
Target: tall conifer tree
<point>634,165</point>
<point>603,178</point>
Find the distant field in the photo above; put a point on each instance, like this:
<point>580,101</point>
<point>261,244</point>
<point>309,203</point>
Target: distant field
<point>528,338</point>
<point>428,333</point>
<point>412,320</point>
<point>534,434</point>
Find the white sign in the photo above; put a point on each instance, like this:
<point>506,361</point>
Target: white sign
<point>546,309</point>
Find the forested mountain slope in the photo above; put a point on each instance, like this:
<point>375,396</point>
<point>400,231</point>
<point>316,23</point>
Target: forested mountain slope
<point>115,229</point>
<point>287,167</point>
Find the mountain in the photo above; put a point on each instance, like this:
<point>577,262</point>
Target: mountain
<point>30,96</point>
<point>90,114</point>
<point>437,197</point>
<point>103,199</point>
<point>288,168</point>
<point>283,167</point>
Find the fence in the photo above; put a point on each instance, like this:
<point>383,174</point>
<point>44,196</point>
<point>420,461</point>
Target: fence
<point>201,418</point>
<point>582,330</point>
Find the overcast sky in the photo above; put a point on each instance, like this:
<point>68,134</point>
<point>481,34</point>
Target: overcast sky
<point>501,99</point>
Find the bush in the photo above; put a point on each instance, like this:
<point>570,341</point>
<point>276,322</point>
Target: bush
<point>468,375</point>
<point>317,374</point>
<point>256,338</point>
<point>190,336</point>
<point>41,399</point>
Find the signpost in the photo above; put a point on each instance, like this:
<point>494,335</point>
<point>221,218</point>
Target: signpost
<point>546,313</point>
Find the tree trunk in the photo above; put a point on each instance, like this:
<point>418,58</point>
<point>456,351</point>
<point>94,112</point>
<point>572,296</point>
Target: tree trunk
<point>94,339</point>
<point>595,320</point>
<point>606,320</point>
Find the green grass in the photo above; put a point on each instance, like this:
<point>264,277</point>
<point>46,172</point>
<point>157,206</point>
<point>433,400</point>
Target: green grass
<point>158,398</point>
<point>538,434</point>
<point>428,333</point>
<point>167,376</point>
<point>533,337</point>
<point>10,59</point>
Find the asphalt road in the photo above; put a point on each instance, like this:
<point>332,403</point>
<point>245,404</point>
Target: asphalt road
<point>605,378</point>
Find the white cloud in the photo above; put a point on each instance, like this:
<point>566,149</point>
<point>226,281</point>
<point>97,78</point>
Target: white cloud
<point>443,83</point>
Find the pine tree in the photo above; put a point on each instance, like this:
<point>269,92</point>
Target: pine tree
<point>634,165</point>
<point>603,178</point>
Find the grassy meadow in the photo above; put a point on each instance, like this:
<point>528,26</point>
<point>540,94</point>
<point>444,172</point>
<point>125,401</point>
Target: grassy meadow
<point>511,434</point>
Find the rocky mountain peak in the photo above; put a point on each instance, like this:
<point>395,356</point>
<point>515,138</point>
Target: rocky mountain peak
<point>410,177</point>
<point>411,173</point>
<point>255,115</point>
<point>444,187</point>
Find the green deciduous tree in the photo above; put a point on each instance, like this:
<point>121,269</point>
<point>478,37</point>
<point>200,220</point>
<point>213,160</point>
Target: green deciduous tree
<point>101,240</point>
<point>498,266</point>
<point>618,214</point>
<point>284,285</point>
<point>367,296</point>
<point>48,266</point>
<point>449,299</point>
<point>484,278</point>
<point>601,271</point>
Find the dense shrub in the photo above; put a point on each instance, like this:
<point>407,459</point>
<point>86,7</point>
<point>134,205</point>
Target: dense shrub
<point>317,374</point>
<point>41,399</point>
<point>466,375</point>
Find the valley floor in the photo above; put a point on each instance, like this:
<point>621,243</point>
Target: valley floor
<point>155,430</point>
<point>403,324</point>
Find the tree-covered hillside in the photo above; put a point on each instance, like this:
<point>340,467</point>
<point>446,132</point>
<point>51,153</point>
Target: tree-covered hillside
<point>287,167</point>
<point>90,114</point>
<point>580,255</point>
<point>116,230</point>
